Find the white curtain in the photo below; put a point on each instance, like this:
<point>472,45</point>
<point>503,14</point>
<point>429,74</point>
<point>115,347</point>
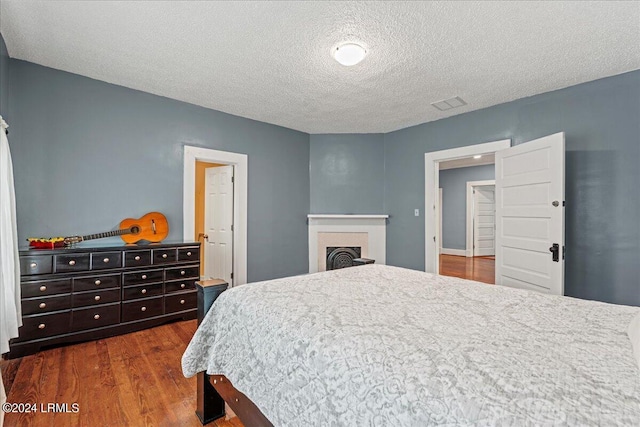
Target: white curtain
<point>10,310</point>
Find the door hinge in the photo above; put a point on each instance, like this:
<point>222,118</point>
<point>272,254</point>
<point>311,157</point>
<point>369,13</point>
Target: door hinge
<point>232,179</point>
<point>232,275</point>
<point>564,203</point>
<point>564,252</point>
<point>231,227</point>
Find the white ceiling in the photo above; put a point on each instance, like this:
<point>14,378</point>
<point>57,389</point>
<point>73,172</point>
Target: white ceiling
<point>270,61</point>
<point>486,159</point>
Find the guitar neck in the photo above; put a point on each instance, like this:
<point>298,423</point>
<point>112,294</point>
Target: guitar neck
<point>107,234</point>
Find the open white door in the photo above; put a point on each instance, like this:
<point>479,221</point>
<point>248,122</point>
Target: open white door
<point>484,221</point>
<point>530,215</point>
<point>218,223</point>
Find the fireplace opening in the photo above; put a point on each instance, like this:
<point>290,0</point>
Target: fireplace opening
<point>342,257</point>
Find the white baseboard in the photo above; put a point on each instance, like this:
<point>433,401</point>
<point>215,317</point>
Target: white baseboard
<point>456,252</point>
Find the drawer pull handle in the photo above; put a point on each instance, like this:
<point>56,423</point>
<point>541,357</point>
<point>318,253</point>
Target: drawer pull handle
<point>137,258</point>
<point>97,298</point>
<point>181,301</point>
<point>189,253</point>
<point>182,286</point>
<point>164,255</point>
<point>106,260</point>
<point>143,309</point>
<point>33,265</point>
<point>144,291</point>
<point>144,276</point>
<point>97,316</point>
<point>72,262</point>
<point>42,305</point>
<point>97,282</point>
<point>182,272</point>
<point>41,326</point>
<point>43,288</point>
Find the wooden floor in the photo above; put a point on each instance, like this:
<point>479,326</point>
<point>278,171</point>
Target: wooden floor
<point>129,380</point>
<point>135,379</point>
<point>481,269</point>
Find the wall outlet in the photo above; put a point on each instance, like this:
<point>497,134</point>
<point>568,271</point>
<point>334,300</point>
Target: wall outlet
<point>416,212</point>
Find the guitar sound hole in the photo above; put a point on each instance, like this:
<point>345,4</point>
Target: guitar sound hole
<point>135,229</point>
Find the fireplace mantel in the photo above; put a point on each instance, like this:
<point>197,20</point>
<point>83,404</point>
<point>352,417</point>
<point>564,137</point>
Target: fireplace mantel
<point>366,231</point>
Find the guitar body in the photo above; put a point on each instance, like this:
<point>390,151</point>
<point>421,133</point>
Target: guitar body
<point>152,227</point>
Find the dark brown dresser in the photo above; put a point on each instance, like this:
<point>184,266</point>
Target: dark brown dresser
<point>85,293</point>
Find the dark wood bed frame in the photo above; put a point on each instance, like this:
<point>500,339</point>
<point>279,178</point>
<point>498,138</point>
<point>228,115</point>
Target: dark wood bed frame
<point>214,390</point>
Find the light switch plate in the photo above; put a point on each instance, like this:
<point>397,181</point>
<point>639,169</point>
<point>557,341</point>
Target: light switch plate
<point>416,212</point>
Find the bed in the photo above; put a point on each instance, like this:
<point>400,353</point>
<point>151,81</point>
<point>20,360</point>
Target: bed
<point>378,345</point>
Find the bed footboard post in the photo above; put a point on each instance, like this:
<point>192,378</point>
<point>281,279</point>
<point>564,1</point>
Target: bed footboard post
<point>210,405</point>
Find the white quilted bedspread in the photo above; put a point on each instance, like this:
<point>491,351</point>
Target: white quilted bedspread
<point>385,346</point>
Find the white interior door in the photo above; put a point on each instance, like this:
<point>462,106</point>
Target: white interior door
<point>484,221</point>
<point>439,222</point>
<point>530,215</point>
<point>218,223</point>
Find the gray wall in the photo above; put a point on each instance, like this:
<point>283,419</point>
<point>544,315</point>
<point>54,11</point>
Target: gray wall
<point>454,202</point>
<point>4,81</point>
<point>88,154</point>
<point>347,173</point>
<point>601,120</point>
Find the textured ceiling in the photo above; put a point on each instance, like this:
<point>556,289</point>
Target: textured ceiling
<point>271,61</point>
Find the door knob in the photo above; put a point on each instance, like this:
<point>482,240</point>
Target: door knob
<point>555,252</point>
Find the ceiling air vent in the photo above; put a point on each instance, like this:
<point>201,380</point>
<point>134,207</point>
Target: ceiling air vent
<point>449,104</point>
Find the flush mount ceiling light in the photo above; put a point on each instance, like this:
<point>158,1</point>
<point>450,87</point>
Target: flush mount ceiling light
<point>349,54</point>
<point>477,156</point>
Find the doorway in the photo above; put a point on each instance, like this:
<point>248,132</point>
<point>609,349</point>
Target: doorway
<point>467,228</point>
<point>239,164</point>
<point>529,200</point>
<point>432,180</point>
<point>214,219</point>
<point>481,218</point>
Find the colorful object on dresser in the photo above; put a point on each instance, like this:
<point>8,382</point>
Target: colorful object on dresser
<point>152,227</point>
<point>46,243</point>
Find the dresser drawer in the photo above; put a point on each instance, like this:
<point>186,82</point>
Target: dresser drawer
<point>137,258</point>
<point>163,256</point>
<point>189,254</point>
<point>71,262</point>
<point>95,317</point>
<point>37,264</point>
<point>180,286</point>
<point>45,325</point>
<point>45,287</point>
<point>142,277</point>
<point>180,302</point>
<point>102,281</point>
<point>182,273</point>
<point>46,304</point>
<point>141,309</point>
<point>144,291</point>
<point>102,260</point>
<point>84,299</point>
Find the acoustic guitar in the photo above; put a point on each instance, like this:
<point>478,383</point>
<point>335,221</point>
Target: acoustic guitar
<point>152,227</point>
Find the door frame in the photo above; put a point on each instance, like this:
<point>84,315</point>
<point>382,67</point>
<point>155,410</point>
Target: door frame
<point>431,184</point>
<point>240,193</point>
<point>470,205</point>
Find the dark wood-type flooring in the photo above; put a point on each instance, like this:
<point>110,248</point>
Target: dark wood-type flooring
<point>135,379</point>
<point>128,380</point>
<point>477,268</point>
